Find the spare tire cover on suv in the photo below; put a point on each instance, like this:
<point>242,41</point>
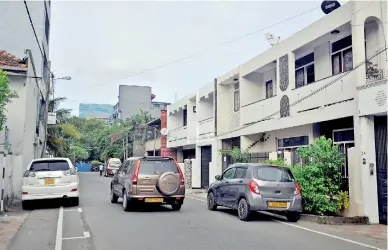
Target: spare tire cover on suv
<point>168,183</point>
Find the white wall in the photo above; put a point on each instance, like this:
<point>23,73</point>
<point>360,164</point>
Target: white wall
<point>15,24</point>
<point>270,145</point>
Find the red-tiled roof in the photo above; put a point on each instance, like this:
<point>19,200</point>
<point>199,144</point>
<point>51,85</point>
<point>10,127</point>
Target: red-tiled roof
<point>7,59</point>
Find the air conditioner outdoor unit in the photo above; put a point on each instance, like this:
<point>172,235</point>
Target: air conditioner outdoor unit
<point>38,141</point>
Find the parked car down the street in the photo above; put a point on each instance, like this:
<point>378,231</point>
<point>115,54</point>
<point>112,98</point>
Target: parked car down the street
<point>112,166</point>
<point>50,178</point>
<point>146,180</point>
<point>256,187</point>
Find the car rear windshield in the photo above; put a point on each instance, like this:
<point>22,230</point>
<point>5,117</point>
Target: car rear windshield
<point>115,161</point>
<point>273,173</point>
<point>49,166</point>
<point>157,167</point>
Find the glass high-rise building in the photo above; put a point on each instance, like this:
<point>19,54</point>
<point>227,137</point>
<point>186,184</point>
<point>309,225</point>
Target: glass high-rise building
<point>95,111</point>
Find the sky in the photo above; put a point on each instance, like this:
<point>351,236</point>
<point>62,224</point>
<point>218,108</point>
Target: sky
<point>99,44</point>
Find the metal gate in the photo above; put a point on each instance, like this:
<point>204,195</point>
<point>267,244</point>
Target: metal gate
<point>381,165</point>
<point>206,157</point>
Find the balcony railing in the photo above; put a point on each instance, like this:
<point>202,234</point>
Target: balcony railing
<point>206,127</point>
<point>177,137</point>
<point>331,91</point>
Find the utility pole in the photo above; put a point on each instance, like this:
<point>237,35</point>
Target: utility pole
<point>154,141</point>
<point>126,145</point>
<point>47,101</point>
<point>5,152</point>
<point>124,150</point>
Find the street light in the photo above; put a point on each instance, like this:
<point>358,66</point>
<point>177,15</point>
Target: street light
<point>53,81</point>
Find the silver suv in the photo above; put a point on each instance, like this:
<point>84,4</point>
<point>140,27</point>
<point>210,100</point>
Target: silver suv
<point>148,180</point>
<point>256,187</point>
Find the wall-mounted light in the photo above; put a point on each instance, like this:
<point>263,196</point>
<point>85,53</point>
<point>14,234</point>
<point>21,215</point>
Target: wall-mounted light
<point>335,32</point>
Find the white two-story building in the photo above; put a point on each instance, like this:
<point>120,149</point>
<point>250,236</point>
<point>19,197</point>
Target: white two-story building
<point>329,79</point>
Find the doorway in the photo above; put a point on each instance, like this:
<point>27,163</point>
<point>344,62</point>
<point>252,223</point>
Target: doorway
<point>206,157</point>
<point>381,165</point>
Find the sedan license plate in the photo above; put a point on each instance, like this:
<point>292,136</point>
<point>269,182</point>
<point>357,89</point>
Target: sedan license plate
<point>49,181</point>
<point>277,204</point>
<point>154,200</point>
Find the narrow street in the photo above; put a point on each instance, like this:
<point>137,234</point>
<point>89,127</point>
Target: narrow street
<point>99,225</point>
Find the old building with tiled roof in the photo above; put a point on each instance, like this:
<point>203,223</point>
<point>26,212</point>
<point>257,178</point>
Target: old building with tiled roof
<point>7,59</point>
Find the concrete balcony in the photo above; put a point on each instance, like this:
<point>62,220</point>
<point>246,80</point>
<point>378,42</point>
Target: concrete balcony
<point>341,90</point>
<point>177,137</point>
<point>206,128</point>
<point>373,97</point>
<point>153,144</point>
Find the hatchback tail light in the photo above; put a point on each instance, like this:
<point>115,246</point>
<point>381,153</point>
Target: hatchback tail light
<point>297,189</point>
<point>29,174</point>
<point>136,173</point>
<point>254,187</point>
<point>181,176</point>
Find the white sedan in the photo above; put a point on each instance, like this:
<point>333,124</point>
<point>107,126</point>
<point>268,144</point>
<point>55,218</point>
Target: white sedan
<point>50,178</point>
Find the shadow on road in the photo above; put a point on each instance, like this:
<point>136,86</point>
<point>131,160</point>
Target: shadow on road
<point>51,203</point>
<point>140,208</point>
<point>254,217</point>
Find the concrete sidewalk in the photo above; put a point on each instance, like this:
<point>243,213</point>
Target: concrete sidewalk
<point>10,224</point>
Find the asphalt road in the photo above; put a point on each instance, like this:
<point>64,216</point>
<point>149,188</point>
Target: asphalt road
<point>99,225</point>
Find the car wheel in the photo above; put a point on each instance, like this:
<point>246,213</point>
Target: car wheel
<point>243,210</point>
<point>293,216</point>
<point>113,196</point>
<point>26,205</point>
<point>176,207</point>
<point>126,205</point>
<point>211,203</point>
<point>75,201</point>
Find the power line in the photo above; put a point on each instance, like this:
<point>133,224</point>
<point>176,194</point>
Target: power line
<point>219,45</point>
<point>36,37</point>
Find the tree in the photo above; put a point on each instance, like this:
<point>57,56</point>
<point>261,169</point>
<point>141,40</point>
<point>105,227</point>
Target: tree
<point>77,153</point>
<point>62,114</point>
<point>6,95</point>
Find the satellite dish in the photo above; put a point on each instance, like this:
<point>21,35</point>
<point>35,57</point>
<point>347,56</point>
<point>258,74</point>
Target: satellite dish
<point>164,131</point>
<point>272,39</point>
<point>329,6</point>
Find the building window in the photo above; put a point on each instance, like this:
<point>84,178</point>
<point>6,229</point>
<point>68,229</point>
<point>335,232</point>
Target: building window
<point>42,109</point>
<point>184,117</point>
<point>194,109</point>
<point>156,105</point>
<point>291,145</point>
<point>47,25</point>
<point>268,89</point>
<point>293,142</point>
<point>304,70</point>
<point>342,57</point>
<point>236,97</point>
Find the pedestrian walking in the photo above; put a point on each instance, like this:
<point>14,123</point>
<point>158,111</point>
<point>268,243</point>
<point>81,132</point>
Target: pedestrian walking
<point>101,168</point>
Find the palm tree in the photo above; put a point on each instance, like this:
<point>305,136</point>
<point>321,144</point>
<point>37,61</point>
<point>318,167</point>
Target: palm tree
<point>61,134</point>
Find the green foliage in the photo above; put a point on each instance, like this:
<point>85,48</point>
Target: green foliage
<point>343,201</point>
<point>77,153</point>
<point>6,95</point>
<point>236,154</point>
<point>319,177</point>
<point>95,163</point>
<point>279,162</point>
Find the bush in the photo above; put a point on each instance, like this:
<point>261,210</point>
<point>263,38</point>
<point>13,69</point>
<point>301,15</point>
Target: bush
<point>320,177</point>
<point>96,163</point>
<point>236,154</point>
<point>279,162</point>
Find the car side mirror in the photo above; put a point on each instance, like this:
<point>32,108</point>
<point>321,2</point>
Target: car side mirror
<point>218,177</point>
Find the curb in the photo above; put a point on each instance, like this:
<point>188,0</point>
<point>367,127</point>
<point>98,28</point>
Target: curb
<point>332,220</point>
